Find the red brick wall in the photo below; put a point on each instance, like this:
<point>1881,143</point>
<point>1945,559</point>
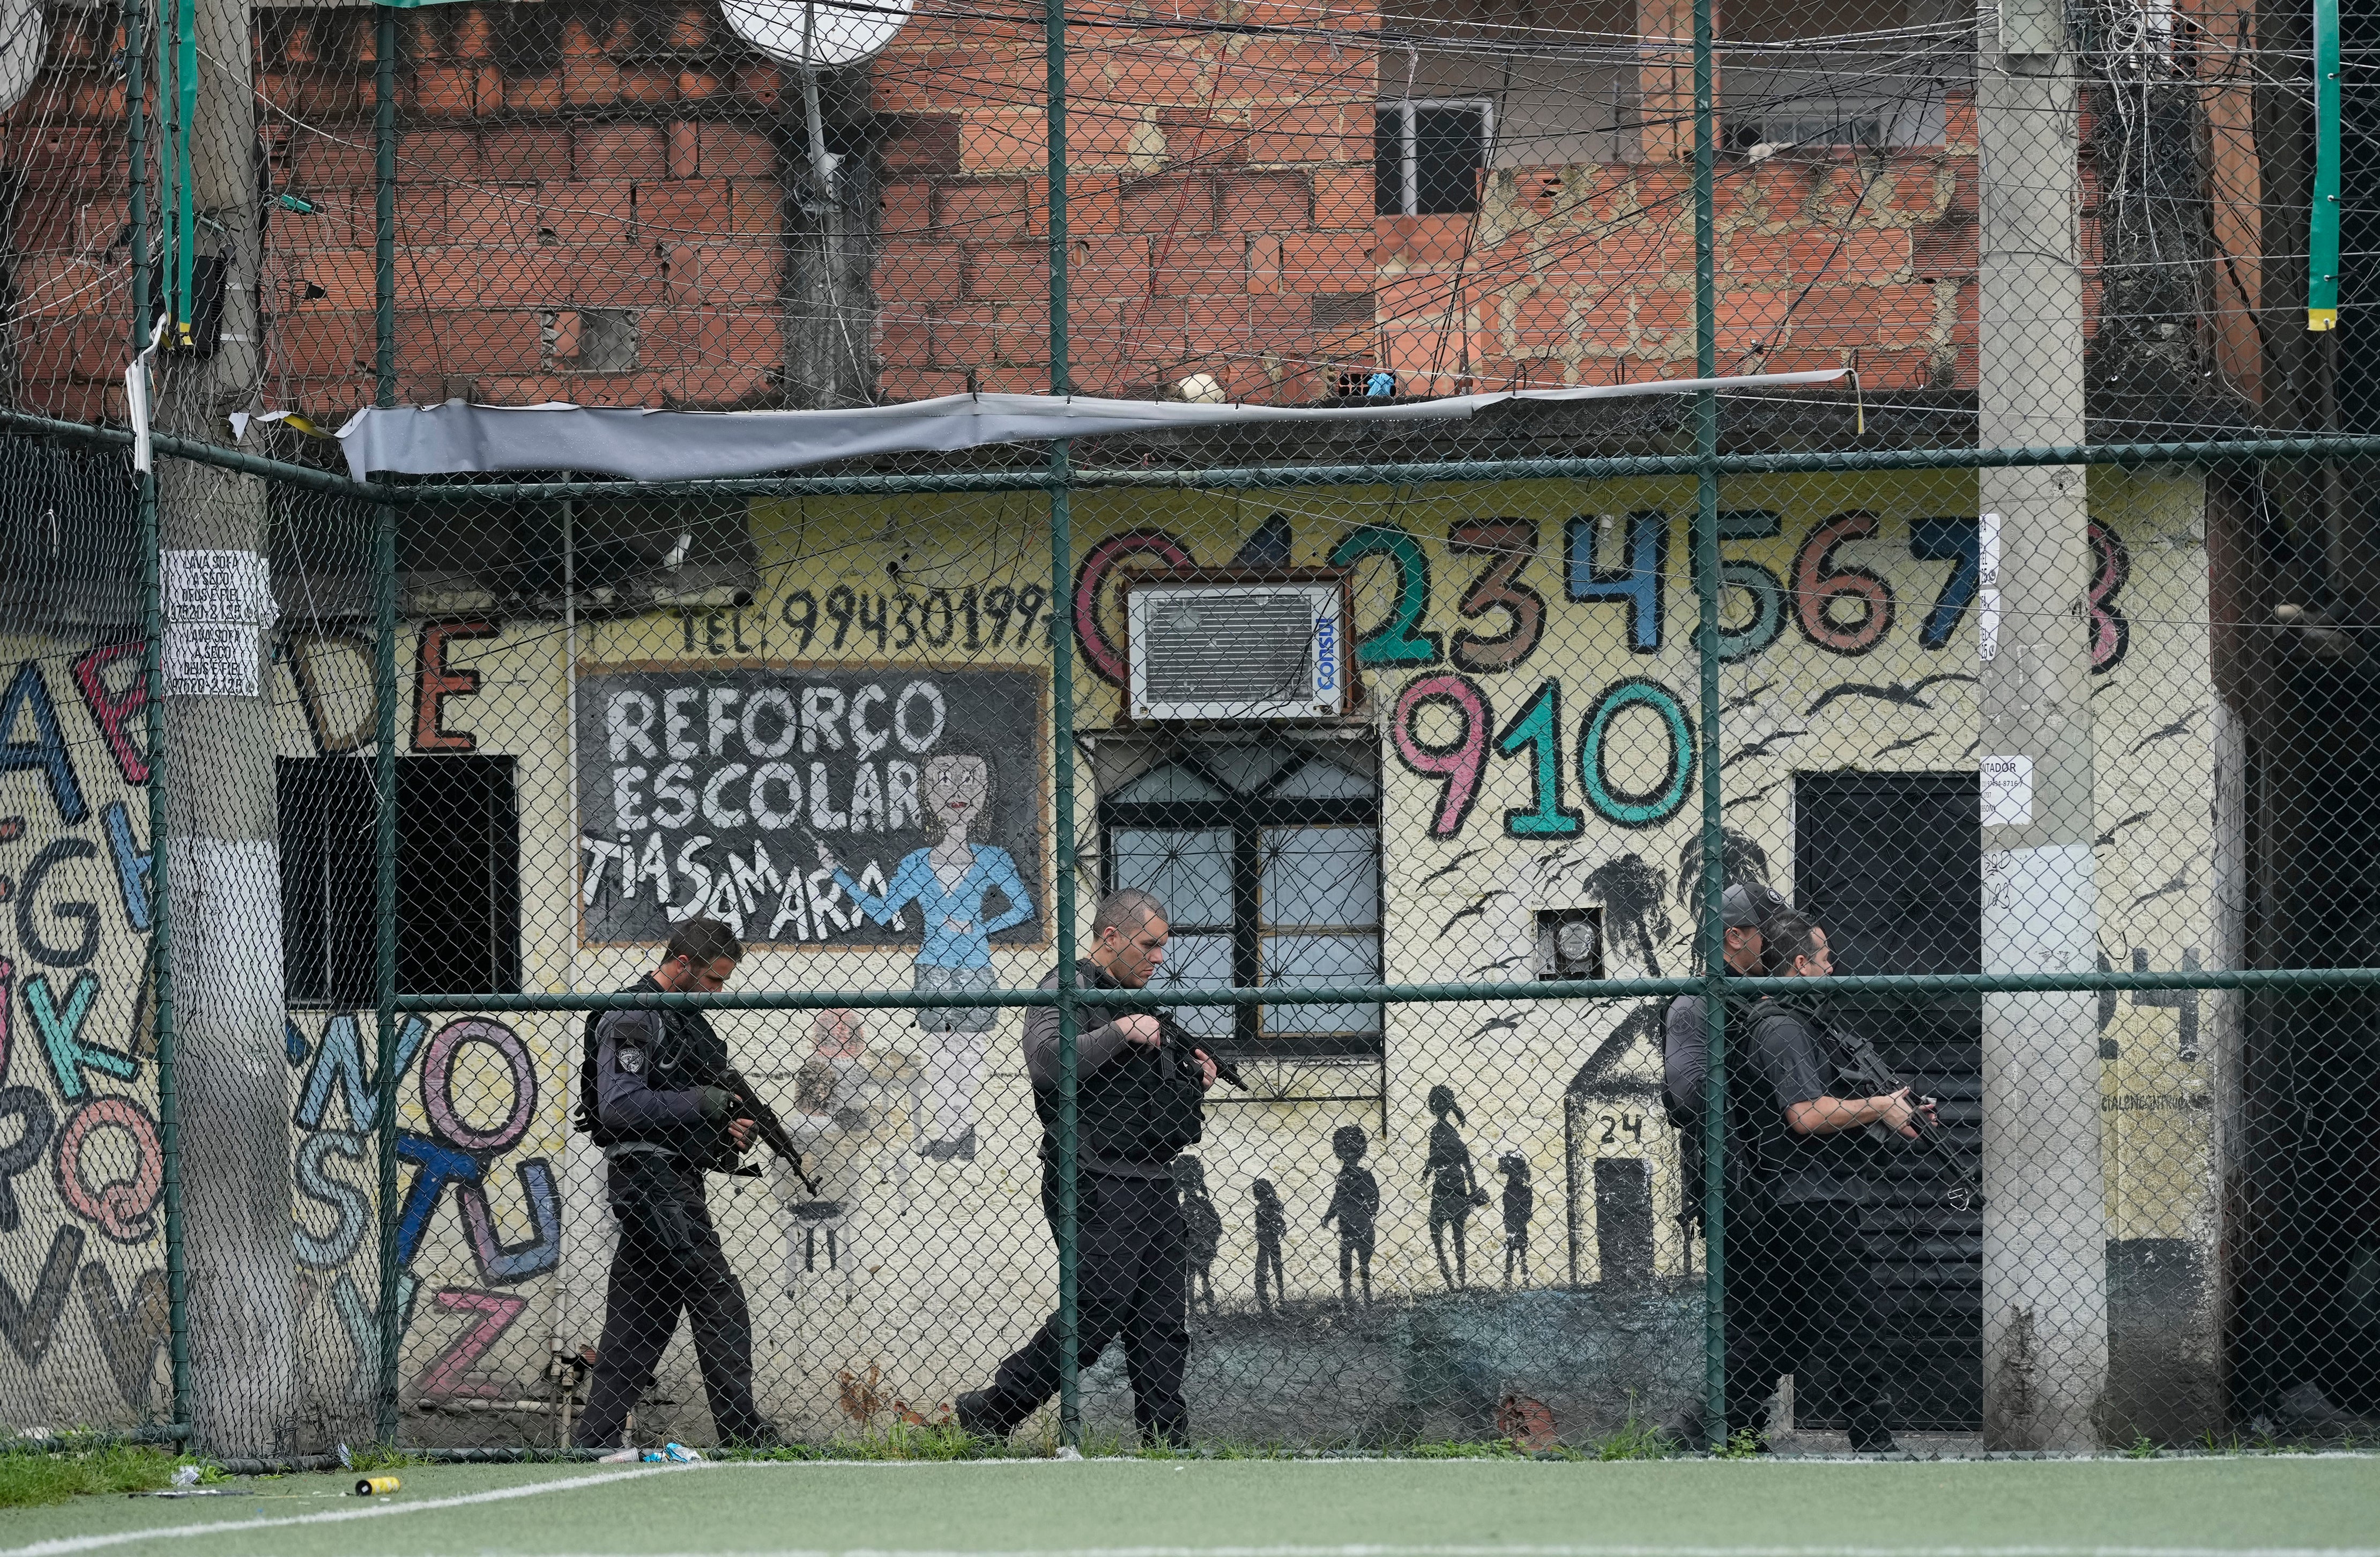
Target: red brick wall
<point>1220,212</point>
<point>621,163</point>
<point>631,170</point>
<point>1219,206</point>
<point>1585,275</point>
<point>62,199</point>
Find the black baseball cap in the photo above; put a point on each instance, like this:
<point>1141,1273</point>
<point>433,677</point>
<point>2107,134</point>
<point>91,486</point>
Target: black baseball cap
<point>1750,905</point>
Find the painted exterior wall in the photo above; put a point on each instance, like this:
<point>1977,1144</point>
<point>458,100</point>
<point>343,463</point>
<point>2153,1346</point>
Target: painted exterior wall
<point>943,1265</point>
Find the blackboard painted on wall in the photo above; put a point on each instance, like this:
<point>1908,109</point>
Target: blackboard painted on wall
<point>763,796</point>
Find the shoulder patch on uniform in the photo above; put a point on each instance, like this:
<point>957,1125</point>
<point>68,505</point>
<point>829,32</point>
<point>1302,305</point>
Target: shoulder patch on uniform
<point>632,1060</point>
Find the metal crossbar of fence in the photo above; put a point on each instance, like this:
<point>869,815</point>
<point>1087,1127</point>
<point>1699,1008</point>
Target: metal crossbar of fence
<point>1911,993</point>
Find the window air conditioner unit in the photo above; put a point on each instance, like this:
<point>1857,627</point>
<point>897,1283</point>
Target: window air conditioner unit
<point>1209,650</point>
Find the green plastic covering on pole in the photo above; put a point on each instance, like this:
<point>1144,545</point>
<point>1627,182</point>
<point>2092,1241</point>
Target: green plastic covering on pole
<point>2322,239</point>
<point>391,1333</point>
<point>180,49</point>
<point>152,681</point>
<point>1061,748</point>
<point>1714,852</point>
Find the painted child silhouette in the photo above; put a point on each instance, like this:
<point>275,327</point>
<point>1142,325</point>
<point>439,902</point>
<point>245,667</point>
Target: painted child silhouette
<point>1355,1207</point>
<point>1454,1189</point>
<point>1202,1231</point>
<point>1520,1204</point>
<point>1272,1224</point>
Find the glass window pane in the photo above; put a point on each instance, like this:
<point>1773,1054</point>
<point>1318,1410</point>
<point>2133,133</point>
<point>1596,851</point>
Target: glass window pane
<point>1190,872</point>
<point>1197,962</point>
<point>1388,160</point>
<point>1321,779</point>
<point>1321,876</point>
<point>1450,148</point>
<point>1320,962</point>
<point>1245,767</point>
<point>1168,781</point>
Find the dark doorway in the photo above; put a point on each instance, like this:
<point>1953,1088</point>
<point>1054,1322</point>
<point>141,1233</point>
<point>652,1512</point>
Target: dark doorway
<point>1890,865</point>
<point>2304,1232</point>
<point>457,878</point>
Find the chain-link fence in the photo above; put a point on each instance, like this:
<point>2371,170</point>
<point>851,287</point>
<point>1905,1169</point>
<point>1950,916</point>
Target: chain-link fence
<point>1822,910</point>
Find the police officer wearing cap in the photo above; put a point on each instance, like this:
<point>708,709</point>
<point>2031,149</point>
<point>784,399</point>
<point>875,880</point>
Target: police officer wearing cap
<point>645,1096</point>
<point>1743,908</point>
<point>1685,1042</point>
<point>1808,1299</point>
<point>1138,1102</point>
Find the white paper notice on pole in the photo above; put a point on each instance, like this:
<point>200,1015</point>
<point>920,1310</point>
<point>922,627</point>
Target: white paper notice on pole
<point>1987,586</point>
<point>2008,790</point>
<point>211,660</point>
<point>217,604</point>
<point>219,587</point>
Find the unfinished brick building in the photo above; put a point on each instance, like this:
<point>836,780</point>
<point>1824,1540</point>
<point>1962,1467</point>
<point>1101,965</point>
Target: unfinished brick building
<point>612,205</point>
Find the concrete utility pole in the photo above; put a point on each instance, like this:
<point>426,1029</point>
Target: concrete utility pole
<point>2044,1201</point>
<point>223,858</point>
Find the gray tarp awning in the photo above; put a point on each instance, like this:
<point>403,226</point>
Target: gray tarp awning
<point>457,439</point>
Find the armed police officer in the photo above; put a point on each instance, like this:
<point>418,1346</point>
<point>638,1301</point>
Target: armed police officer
<point>1806,1298</point>
<point>649,1095</point>
<point>1138,1102</point>
<point>1743,909</point>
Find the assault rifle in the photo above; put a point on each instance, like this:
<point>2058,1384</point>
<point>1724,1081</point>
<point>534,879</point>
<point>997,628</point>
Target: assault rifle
<point>773,1134</point>
<point>1172,1035</point>
<point>1864,1070</point>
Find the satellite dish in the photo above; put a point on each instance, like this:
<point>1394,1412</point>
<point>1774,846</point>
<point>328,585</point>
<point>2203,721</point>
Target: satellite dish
<point>23,40</point>
<point>822,33</point>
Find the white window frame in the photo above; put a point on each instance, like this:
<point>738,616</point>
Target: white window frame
<point>1408,157</point>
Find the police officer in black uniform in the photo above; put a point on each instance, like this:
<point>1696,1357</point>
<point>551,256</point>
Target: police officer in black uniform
<point>645,1095</point>
<point>1806,1297</point>
<point>1137,1103</point>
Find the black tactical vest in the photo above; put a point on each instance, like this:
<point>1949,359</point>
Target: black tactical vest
<point>1141,1107</point>
<point>681,1051</point>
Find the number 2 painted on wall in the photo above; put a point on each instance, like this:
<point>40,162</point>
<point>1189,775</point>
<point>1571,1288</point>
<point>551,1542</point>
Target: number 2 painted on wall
<point>1399,640</point>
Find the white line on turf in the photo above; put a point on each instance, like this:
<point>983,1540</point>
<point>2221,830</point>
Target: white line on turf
<point>375,1510</point>
<point>1394,1550</point>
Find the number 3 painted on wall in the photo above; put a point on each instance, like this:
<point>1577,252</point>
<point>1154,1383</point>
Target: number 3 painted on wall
<point>2111,567</point>
<point>1509,545</point>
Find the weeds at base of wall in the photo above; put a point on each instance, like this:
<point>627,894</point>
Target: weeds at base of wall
<point>27,1480</point>
<point>373,1458</point>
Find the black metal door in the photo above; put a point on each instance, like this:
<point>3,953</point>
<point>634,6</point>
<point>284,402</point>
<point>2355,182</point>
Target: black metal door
<point>1891,865</point>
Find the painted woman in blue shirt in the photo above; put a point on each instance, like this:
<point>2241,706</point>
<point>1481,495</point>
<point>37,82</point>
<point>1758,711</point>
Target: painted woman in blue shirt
<point>951,882</point>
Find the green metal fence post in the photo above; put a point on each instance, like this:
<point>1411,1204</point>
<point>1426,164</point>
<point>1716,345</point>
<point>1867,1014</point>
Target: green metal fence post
<point>152,681</point>
<point>384,207</point>
<point>385,946</point>
<point>390,1329</point>
<point>1714,871</point>
<point>1062,746</point>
